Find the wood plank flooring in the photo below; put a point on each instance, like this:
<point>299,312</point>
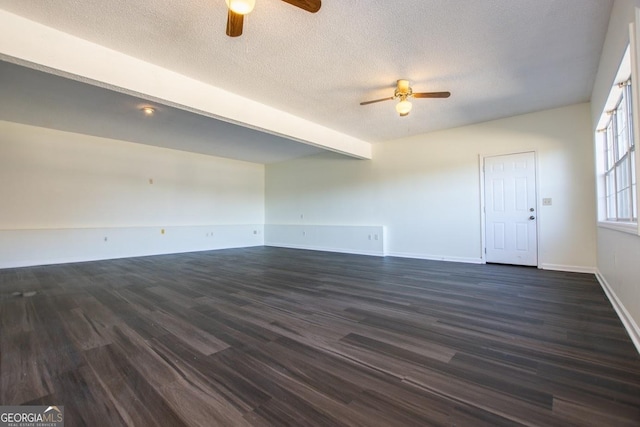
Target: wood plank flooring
<point>273,337</point>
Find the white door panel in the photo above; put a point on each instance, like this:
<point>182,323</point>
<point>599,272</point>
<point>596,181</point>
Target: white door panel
<point>510,216</point>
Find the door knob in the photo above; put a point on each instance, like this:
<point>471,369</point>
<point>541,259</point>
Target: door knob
<point>532,217</point>
<point>531,210</point>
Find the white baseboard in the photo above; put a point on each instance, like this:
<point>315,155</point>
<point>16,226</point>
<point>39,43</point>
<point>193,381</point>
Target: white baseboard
<point>437,257</point>
<point>569,268</point>
<point>351,239</point>
<point>325,249</point>
<point>629,324</point>
<point>23,248</point>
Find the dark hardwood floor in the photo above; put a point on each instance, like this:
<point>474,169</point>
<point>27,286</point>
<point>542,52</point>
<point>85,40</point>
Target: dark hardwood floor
<point>267,336</point>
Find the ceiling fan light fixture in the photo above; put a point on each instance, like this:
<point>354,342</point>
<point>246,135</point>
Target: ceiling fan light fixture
<point>403,93</point>
<point>241,7</point>
<point>403,107</point>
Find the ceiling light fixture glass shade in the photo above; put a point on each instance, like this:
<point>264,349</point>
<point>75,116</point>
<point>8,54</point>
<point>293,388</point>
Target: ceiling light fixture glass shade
<point>403,107</point>
<point>148,111</point>
<point>241,7</point>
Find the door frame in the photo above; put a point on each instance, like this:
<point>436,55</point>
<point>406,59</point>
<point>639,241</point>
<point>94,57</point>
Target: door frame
<point>483,218</point>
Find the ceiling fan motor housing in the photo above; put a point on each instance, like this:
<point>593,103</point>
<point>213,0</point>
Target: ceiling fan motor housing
<point>403,90</point>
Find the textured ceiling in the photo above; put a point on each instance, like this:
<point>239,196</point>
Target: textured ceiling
<point>498,58</point>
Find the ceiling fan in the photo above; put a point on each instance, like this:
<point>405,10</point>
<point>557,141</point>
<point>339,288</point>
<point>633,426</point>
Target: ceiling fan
<point>239,8</point>
<point>403,92</point>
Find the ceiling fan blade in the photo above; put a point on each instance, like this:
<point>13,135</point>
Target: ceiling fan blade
<point>309,5</point>
<point>234,24</point>
<point>376,100</point>
<point>431,94</point>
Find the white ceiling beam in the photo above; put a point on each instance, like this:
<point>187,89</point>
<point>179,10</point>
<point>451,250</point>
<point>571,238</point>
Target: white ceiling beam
<point>35,45</point>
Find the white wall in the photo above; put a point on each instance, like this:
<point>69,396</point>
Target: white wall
<point>618,252</point>
<point>425,190</point>
<point>86,187</point>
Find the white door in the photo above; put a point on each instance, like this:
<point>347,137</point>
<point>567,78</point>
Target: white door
<point>510,209</point>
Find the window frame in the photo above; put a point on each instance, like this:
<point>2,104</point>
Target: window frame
<point>616,152</point>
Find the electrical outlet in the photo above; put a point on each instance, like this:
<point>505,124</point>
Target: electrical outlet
<point>547,201</point>
<point>150,180</point>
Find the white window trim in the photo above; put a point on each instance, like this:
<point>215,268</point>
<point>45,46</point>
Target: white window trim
<point>624,71</point>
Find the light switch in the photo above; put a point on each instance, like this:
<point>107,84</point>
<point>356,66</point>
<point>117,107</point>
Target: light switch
<point>547,201</point>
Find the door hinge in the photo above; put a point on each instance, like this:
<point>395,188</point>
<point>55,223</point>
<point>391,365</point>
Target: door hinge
<point>485,250</point>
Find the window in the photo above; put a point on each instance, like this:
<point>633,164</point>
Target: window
<point>619,158</point>
<point>616,154</point>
